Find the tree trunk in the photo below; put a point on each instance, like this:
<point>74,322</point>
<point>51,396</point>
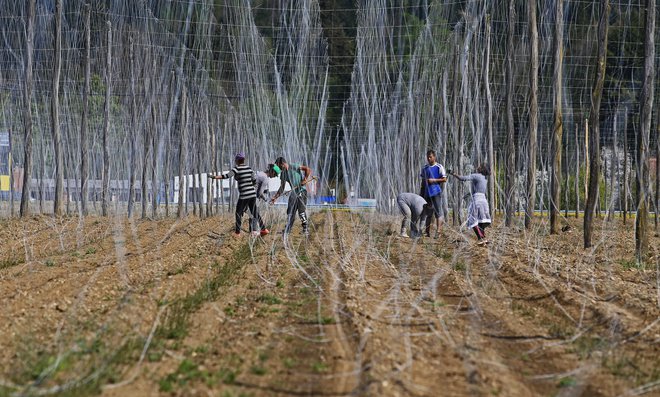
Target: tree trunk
<point>594,115</point>
<point>55,112</point>
<point>84,147</point>
<point>182,151</point>
<point>106,126</point>
<point>557,128</point>
<point>489,120</point>
<point>533,113</point>
<point>510,127</point>
<point>646,109</point>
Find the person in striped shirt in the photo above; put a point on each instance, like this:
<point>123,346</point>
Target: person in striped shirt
<point>247,194</point>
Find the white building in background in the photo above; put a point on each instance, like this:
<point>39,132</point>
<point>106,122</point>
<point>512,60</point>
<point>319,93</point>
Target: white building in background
<point>192,196</point>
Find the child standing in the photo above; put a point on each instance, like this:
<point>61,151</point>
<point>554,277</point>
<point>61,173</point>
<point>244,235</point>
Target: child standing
<point>433,176</point>
<point>478,211</point>
<point>247,195</point>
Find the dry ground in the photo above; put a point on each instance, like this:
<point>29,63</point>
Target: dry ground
<point>157,308</point>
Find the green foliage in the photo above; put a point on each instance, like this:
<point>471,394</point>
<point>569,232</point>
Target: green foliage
<point>175,325</point>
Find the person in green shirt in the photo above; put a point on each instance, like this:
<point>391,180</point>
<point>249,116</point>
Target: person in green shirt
<point>293,174</point>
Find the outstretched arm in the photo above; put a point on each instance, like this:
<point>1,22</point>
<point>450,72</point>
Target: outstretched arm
<point>460,177</point>
<point>222,176</point>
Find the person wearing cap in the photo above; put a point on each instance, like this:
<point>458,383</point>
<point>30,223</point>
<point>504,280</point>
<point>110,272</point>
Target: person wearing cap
<point>247,194</point>
<point>293,174</point>
<point>263,180</point>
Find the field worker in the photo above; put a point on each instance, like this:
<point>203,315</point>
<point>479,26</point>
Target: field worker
<point>293,174</point>
<point>413,207</point>
<point>247,195</point>
<point>478,212</point>
<point>433,176</point>
<point>261,187</point>
<point>262,182</point>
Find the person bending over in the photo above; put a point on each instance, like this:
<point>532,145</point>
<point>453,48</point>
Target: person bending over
<point>413,209</point>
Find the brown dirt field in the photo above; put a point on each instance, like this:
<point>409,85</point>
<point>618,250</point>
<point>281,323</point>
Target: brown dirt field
<point>104,306</point>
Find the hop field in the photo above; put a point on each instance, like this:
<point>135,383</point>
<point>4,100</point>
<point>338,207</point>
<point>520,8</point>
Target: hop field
<point>107,306</point>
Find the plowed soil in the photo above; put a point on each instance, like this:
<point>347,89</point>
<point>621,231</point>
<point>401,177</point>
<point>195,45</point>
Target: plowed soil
<point>107,306</point>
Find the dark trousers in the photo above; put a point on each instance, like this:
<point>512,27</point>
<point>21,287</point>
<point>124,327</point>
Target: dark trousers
<point>297,204</point>
<point>480,231</point>
<point>247,204</point>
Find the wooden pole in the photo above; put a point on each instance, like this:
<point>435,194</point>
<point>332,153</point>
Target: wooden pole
<point>84,146</point>
<point>510,127</point>
<point>625,168</point>
<point>182,152</point>
<point>105,194</point>
<point>577,170</point>
<point>133,133</point>
<point>55,112</point>
<point>613,170</point>
<point>27,113</point>
<point>594,115</point>
<point>533,112</point>
<point>642,181</point>
<point>557,130</point>
<point>489,120</point>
